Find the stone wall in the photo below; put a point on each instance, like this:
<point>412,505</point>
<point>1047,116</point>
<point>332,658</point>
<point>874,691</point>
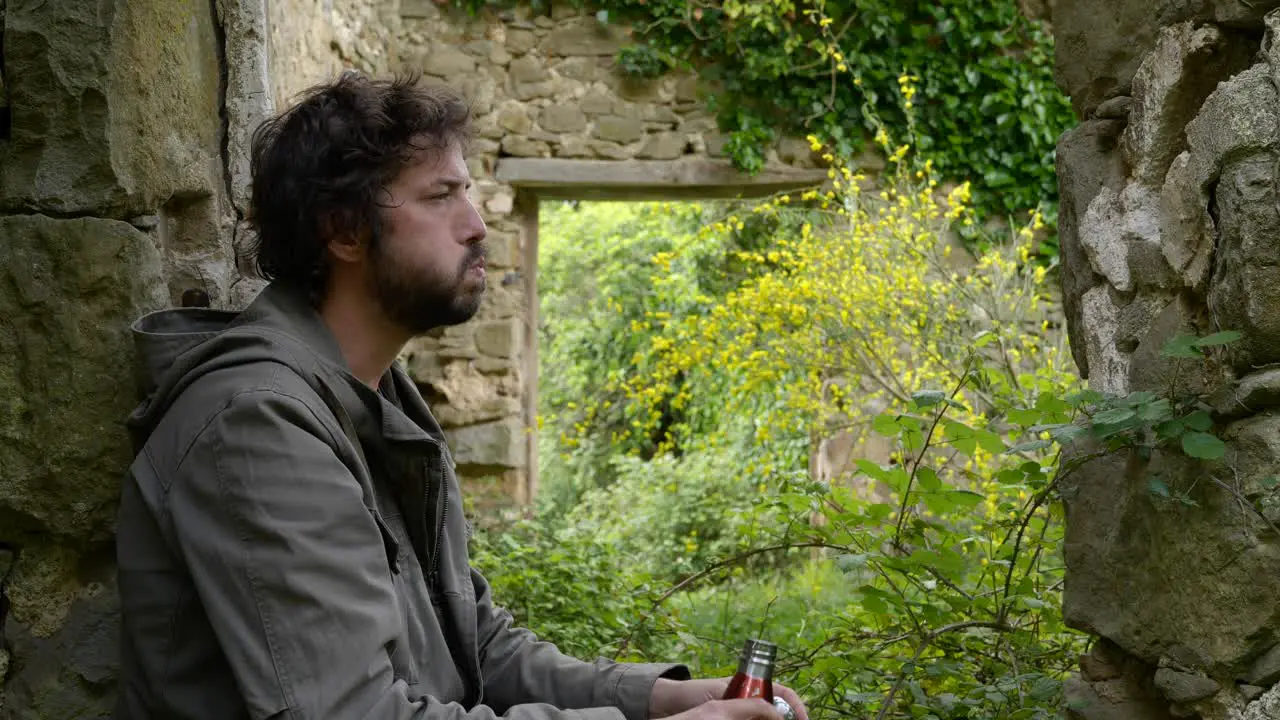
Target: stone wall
<point>1170,224</point>
<point>545,86</point>
<point>124,129</point>
<point>124,134</point>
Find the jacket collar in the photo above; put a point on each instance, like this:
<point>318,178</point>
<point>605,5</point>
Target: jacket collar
<point>404,415</point>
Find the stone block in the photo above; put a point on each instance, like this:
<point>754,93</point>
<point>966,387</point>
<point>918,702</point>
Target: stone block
<point>1243,292</point>
<point>115,106</point>
<point>663,146</point>
<point>582,69</point>
<point>498,443</point>
<point>72,672</point>
<point>1120,233</point>
<point>611,150</point>
<point>448,62</point>
<point>499,56</point>
<point>1185,65</point>
<point>586,36</point>
<point>1182,687</point>
<point>655,114</point>
<point>1125,549</point>
<point>513,117</point>
<point>527,69</point>
<point>533,91</point>
<point>68,292</point>
<point>573,147</point>
<point>618,129</point>
<point>687,89</point>
<point>599,101</point>
<point>504,249</point>
<point>520,41</point>
<point>503,338</point>
<point>521,146</point>
<point>562,119</point>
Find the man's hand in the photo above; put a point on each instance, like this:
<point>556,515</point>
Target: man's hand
<point>672,697</point>
<point>752,709</point>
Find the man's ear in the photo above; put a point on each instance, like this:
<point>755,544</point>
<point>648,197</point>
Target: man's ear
<point>345,246</point>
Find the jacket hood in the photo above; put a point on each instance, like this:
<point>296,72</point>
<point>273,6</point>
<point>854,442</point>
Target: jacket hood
<point>175,347</point>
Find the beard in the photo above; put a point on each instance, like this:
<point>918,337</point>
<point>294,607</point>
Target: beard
<point>421,299</point>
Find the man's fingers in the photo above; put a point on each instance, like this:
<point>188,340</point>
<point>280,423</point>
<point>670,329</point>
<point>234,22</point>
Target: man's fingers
<point>797,705</point>
<point>746,709</point>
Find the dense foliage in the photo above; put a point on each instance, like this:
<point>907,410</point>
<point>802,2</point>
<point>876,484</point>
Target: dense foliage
<point>695,357</point>
<point>988,109</point>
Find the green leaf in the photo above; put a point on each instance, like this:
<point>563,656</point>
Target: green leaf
<point>990,442</point>
<point>966,498</point>
<point>928,479</point>
<point>1203,445</point>
<point>1226,337</point>
<point>926,398</point>
<point>1114,416</point>
<point>1157,487</point>
<point>1181,346</point>
<point>886,425</point>
<point>1199,420</point>
<point>1269,482</point>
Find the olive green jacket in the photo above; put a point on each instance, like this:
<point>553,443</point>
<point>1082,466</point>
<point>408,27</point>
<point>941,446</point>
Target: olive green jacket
<point>291,544</point>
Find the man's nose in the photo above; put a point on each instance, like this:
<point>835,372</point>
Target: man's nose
<point>474,230</point>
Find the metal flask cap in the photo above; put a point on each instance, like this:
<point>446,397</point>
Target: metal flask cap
<point>759,651</point>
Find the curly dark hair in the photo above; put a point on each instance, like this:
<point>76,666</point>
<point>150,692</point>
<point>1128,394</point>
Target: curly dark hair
<point>320,168</point>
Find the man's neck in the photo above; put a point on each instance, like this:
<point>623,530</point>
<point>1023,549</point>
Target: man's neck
<point>369,343</point>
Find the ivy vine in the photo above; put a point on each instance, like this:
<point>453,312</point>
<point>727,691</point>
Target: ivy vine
<point>988,110</point>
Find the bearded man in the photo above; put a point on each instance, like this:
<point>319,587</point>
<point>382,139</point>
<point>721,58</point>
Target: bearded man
<point>291,541</point>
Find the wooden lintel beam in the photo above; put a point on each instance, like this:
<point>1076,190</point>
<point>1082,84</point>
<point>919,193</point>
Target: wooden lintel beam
<point>684,179</point>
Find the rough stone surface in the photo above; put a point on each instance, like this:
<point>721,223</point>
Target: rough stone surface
<point>71,673</point>
<point>1126,550</point>
<point>1185,65</point>
<point>619,129</point>
<point>115,106</point>
<point>1244,295</point>
<point>562,119</point>
<point>1087,163</point>
<point>68,289</point>
<point>586,36</point>
<point>1100,44</point>
<point>491,444</point>
<point>1184,687</point>
<point>499,339</point>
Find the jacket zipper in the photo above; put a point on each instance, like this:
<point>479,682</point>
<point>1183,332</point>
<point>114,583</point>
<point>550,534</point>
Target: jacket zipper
<point>443,513</point>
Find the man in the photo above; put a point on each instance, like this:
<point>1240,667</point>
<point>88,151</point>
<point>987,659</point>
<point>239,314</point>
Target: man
<point>291,540</point>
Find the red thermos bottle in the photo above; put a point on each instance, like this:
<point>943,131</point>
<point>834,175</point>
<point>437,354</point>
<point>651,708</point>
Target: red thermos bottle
<point>754,678</point>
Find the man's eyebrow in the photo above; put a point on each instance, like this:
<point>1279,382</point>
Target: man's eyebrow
<point>452,182</point>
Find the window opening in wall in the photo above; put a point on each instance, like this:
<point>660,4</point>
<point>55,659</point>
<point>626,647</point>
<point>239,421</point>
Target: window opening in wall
<point>615,281</point>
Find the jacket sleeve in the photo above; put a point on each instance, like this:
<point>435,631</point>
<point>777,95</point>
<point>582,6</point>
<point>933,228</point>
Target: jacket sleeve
<point>519,668</point>
<point>290,567</point>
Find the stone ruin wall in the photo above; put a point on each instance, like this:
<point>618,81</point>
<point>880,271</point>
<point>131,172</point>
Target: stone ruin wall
<point>1170,224</point>
<point>123,180</point>
<point>541,86</point>
<point>124,133</point>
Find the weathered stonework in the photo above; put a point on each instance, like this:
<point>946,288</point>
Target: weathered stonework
<point>541,87</point>
<point>125,127</point>
<point>1170,224</point>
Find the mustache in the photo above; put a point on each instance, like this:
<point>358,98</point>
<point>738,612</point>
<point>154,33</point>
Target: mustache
<point>475,253</point>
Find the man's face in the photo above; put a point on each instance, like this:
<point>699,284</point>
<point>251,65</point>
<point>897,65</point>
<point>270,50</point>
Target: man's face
<point>428,269</point>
